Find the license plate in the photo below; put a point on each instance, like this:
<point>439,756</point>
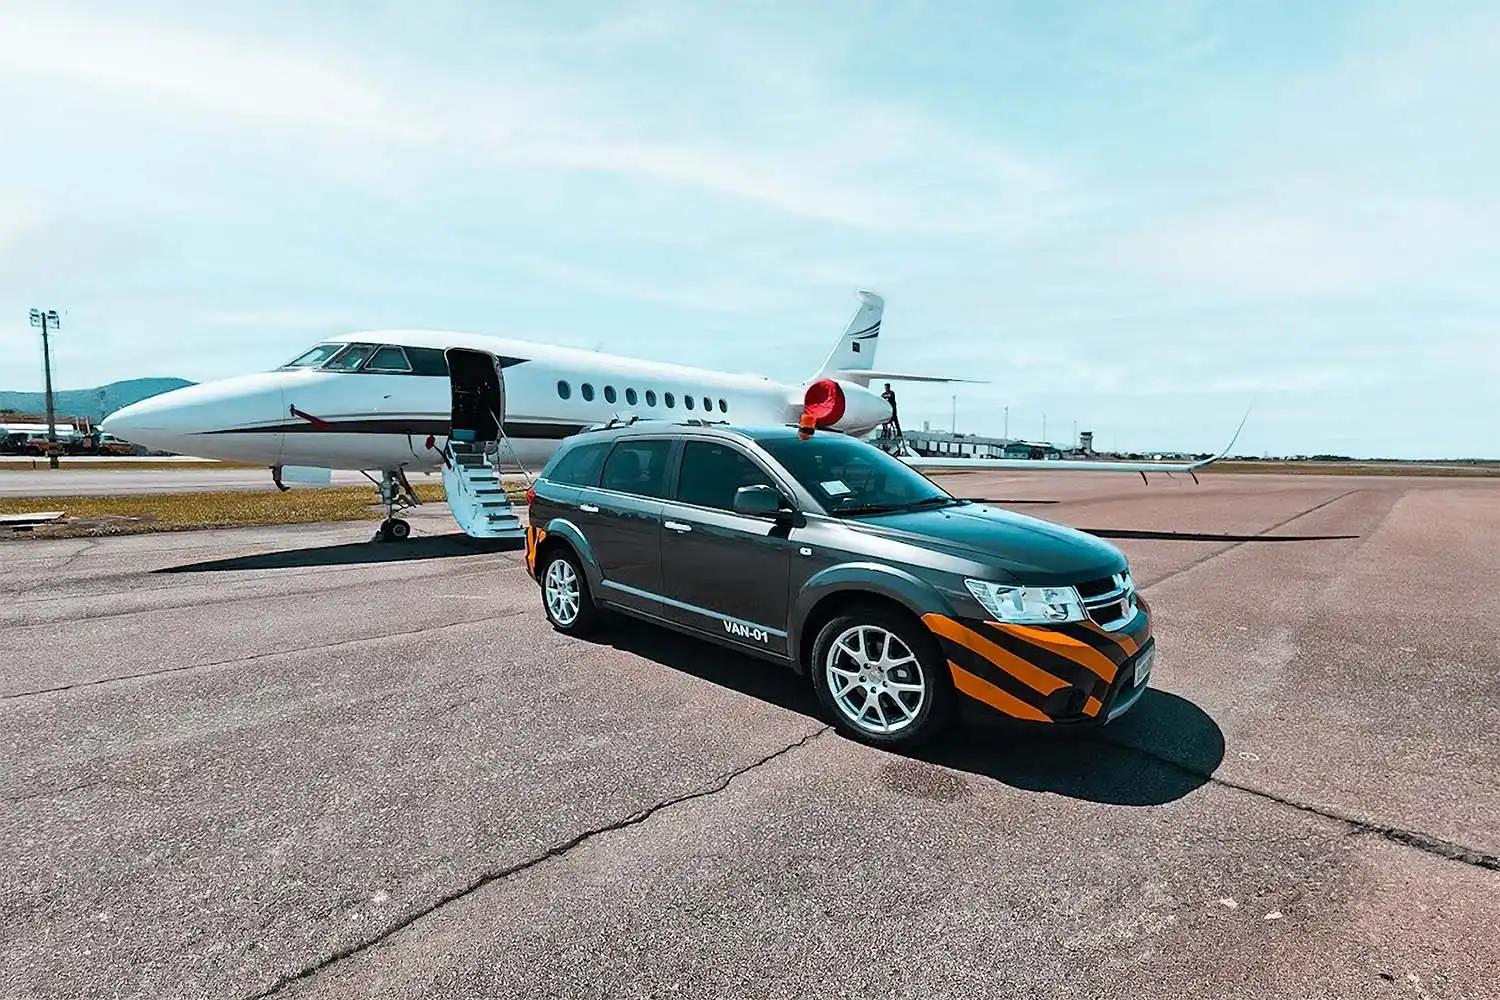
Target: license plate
<point>1143,666</point>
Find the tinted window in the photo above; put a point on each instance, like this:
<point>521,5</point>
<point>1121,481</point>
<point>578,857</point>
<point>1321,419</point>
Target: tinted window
<point>708,404</point>
<point>587,390</point>
<point>315,357</point>
<point>427,361</point>
<point>564,390</point>
<point>687,401</point>
<point>650,397</point>
<point>849,476</point>
<point>580,466</point>
<point>723,406</point>
<point>351,358</point>
<point>609,394</point>
<point>712,472</point>
<point>638,467</point>
<point>630,396</point>
<point>388,359</point>
<point>670,400</point>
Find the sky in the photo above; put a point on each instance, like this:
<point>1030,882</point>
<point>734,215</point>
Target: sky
<point>1136,219</point>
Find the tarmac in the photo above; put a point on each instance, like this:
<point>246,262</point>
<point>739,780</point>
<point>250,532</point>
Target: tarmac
<point>285,762</point>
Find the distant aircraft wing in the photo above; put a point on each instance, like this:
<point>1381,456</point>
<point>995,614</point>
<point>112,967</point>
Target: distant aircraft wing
<point>1068,465</point>
<point>864,376</point>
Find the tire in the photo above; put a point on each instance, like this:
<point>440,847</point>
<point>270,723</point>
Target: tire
<point>563,565</point>
<point>399,530</point>
<point>911,690</point>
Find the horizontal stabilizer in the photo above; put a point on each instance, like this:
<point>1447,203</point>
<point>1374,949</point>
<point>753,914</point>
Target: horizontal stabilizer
<point>864,377</point>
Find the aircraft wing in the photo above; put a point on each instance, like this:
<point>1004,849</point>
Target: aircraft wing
<point>1052,465</point>
<point>1069,465</point>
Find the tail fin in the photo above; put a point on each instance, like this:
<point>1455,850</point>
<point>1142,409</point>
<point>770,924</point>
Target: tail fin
<point>856,348</point>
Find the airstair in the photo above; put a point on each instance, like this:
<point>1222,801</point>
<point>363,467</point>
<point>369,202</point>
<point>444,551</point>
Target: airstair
<point>476,494</point>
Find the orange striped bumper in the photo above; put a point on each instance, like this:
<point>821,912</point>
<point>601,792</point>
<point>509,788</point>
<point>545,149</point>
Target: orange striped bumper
<point>534,538</point>
<point>1072,673</point>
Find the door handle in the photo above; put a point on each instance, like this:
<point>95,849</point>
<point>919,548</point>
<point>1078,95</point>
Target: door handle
<point>588,508</point>
<point>677,526</point>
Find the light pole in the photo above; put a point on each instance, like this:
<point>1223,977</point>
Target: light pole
<point>1007,422</point>
<point>953,425</point>
<point>47,320</point>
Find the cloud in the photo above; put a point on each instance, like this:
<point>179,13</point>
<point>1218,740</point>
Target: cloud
<point>128,63</point>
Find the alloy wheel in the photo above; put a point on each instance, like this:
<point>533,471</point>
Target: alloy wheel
<point>560,587</point>
<point>875,679</point>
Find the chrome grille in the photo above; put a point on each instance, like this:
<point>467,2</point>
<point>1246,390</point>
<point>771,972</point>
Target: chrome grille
<point>1110,602</point>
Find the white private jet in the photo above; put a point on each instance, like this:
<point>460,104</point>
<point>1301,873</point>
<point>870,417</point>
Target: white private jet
<point>397,401</point>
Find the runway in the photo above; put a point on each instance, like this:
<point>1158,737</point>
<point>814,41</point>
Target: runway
<point>283,762</point>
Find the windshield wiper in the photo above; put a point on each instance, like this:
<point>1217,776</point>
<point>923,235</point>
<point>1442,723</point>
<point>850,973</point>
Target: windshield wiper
<point>927,503</point>
<point>870,508</point>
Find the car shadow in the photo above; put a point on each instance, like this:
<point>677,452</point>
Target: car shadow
<point>1163,749</point>
<point>353,554</point>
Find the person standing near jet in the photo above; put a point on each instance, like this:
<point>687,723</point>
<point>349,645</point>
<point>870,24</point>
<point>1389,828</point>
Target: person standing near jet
<point>894,423</point>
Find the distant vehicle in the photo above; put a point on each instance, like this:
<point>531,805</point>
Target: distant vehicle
<point>824,553</point>
<point>37,443</point>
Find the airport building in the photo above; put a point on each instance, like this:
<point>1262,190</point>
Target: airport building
<point>946,444</point>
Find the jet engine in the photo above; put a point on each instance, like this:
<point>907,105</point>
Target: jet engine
<point>835,404</point>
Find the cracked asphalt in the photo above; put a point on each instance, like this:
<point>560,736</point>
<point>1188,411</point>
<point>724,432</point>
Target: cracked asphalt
<point>283,762</point>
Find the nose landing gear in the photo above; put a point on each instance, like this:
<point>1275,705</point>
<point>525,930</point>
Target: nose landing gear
<point>397,495</point>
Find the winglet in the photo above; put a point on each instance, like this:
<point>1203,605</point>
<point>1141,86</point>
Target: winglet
<point>1210,461</point>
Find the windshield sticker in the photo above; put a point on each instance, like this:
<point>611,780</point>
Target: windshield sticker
<point>835,488</point>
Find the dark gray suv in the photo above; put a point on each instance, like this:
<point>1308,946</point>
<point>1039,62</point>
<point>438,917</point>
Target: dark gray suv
<point>826,554</point>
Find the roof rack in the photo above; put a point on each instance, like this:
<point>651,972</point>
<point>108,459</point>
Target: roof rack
<point>621,420</point>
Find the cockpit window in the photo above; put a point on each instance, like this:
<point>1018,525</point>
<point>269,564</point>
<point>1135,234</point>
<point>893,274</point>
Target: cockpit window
<point>350,358</point>
<point>388,359</point>
<point>315,357</point>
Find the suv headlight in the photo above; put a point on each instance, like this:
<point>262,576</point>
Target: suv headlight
<point>1027,605</point>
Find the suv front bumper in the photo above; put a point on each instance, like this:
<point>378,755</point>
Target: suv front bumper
<point>1072,674</point>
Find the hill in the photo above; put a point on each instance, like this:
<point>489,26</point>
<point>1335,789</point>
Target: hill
<point>93,403</point>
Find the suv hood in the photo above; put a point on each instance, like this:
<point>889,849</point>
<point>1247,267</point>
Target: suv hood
<point>1026,548</point>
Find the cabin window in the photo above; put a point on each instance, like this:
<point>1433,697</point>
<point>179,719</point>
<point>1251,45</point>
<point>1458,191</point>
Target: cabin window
<point>669,399</point>
<point>723,406</point>
<point>388,359</point>
<point>687,401</point>
<point>708,404</point>
<point>564,390</point>
<point>350,358</point>
<point>650,397</point>
<point>609,394</point>
<point>588,391</point>
<point>630,396</point>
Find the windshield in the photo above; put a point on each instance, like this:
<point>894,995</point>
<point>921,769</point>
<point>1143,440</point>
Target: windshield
<point>851,477</point>
<point>351,358</point>
<point>315,357</point>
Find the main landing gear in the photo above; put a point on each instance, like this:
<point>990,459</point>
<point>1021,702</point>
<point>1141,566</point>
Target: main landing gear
<point>397,495</point>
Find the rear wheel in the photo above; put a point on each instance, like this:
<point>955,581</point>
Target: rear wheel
<point>881,676</point>
<point>565,594</point>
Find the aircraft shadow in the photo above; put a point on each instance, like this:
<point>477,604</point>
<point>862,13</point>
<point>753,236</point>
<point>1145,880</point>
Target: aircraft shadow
<point>351,554</point>
<point>1206,536</point>
<point>1163,749</point>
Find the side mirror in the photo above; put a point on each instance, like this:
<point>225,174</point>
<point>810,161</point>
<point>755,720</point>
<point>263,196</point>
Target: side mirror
<point>759,501</point>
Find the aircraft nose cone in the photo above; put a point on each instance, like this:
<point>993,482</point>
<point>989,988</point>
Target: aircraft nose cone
<point>225,419</point>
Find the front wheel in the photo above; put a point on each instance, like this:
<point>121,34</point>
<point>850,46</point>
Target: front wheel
<point>882,677</point>
<point>565,594</point>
